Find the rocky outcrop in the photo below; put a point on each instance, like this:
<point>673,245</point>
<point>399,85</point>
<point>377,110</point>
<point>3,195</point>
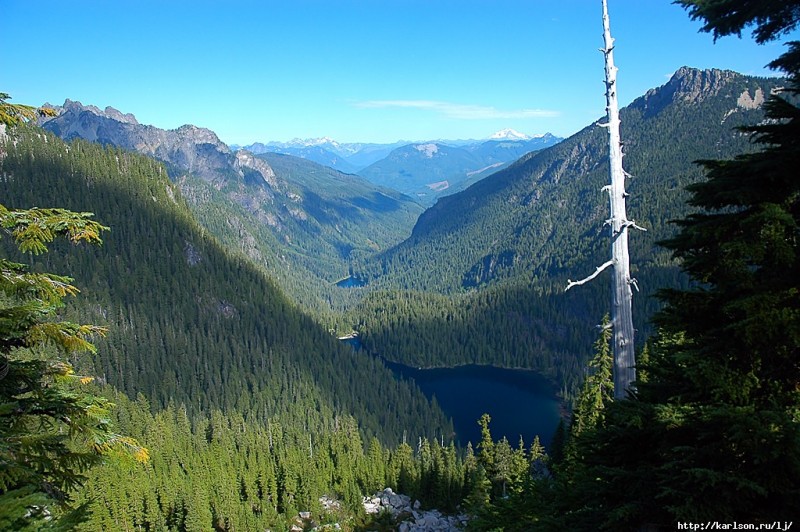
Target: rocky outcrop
<point>246,160</point>
<point>693,86</point>
<point>406,517</point>
<point>688,85</point>
<point>410,517</point>
<point>745,101</point>
<point>187,149</point>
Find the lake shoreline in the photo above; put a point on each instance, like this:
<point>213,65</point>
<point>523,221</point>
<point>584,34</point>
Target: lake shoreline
<point>521,401</point>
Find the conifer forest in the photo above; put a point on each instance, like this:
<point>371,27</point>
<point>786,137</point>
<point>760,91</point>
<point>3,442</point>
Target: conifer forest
<point>173,354</point>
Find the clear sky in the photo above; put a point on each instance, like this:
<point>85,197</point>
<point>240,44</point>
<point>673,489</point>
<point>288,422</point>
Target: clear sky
<point>353,70</point>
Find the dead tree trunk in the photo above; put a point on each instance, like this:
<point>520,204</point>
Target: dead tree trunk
<point>621,310</point>
<point>621,313</point>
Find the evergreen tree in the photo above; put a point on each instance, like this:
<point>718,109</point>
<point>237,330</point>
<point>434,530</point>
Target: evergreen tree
<point>598,387</point>
<point>51,427</point>
<point>714,432</point>
<point>733,377</point>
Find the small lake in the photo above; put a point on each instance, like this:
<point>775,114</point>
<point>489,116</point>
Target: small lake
<point>520,402</point>
<point>350,282</point>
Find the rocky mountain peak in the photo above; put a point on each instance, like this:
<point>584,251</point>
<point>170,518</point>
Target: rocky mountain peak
<point>687,85</point>
<point>78,107</point>
<point>189,148</point>
<point>693,85</point>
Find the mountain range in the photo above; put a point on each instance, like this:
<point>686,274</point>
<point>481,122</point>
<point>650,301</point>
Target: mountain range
<point>422,170</point>
<point>503,249</point>
<point>430,170</point>
<point>217,282</point>
<point>500,248</point>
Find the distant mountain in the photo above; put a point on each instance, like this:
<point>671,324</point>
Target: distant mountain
<point>345,157</point>
<point>509,134</point>
<point>422,171</point>
<point>428,171</point>
<point>508,150</point>
<point>364,154</point>
<point>303,235</point>
<point>354,157</point>
<point>317,154</point>
<point>512,240</point>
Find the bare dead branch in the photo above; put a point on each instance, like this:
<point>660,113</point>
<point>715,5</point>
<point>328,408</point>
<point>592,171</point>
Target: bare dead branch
<point>571,283</point>
<point>631,223</point>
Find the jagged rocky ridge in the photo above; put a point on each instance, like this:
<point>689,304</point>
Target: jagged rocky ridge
<point>188,149</point>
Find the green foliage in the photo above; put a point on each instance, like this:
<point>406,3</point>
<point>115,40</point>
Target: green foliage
<point>598,387</point>
<point>713,433</point>
<point>771,18</point>
<point>237,387</point>
<point>304,227</point>
<point>210,330</point>
<point>505,485</point>
<point>223,472</point>
<point>52,429</point>
<point>14,114</point>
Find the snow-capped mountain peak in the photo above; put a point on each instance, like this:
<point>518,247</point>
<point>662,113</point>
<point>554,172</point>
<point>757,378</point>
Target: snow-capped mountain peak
<point>298,142</point>
<point>509,134</point>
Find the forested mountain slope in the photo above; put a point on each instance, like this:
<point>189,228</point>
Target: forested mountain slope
<point>504,248</point>
<point>299,221</point>
<point>189,323</point>
<point>541,215</point>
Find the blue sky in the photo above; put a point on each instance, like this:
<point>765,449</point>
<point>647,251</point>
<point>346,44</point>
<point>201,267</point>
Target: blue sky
<point>353,70</point>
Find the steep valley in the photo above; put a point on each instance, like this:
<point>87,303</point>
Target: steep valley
<point>218,282</point>
<point>480,278</point>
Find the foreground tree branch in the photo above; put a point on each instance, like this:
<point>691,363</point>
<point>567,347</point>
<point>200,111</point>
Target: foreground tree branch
<point>571,283</point>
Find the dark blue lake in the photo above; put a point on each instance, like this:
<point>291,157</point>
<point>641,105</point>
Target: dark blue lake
<point>520,402</point>
<point>350,282</point>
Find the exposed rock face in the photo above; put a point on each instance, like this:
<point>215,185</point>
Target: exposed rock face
<point>245,159</point>
<point>694,86</point>
<point>688,85</point>
<point>745,101</point>
<point>409,517</point>
<point>188,149</point>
